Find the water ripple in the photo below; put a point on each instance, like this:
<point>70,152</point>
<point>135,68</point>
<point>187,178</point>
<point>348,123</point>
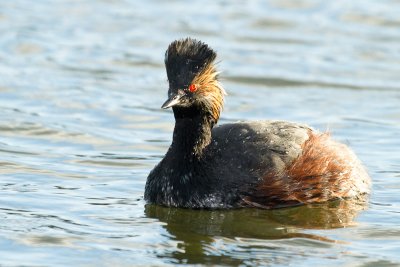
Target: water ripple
<point>81,85</point>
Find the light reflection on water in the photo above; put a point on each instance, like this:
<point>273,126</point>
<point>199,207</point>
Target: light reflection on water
<point>81,84</point>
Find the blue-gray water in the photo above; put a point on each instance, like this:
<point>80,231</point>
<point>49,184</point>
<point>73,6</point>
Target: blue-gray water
<point>81,83</point>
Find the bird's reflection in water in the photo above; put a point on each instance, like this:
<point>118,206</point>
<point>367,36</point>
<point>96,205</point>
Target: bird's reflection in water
<point>196,230</point>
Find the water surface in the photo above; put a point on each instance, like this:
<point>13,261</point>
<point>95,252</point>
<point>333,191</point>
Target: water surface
<point>81,83</point>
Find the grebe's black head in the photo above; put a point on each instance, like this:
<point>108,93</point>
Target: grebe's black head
<point>193,79</point>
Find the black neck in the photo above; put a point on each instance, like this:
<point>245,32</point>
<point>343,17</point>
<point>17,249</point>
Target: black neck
<point>192,132</point>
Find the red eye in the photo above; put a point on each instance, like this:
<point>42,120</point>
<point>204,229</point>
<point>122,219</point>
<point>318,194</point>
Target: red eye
<point>192,88</point>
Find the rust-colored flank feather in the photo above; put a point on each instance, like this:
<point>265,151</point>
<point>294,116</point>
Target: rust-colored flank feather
<point>325,170</point>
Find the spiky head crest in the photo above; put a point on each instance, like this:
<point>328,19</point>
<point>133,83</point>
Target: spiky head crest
<point>185,59</point>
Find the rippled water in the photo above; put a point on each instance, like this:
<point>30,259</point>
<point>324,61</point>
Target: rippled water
<point>81,83</point>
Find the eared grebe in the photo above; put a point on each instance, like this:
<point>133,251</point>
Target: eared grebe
<point>265,164</point>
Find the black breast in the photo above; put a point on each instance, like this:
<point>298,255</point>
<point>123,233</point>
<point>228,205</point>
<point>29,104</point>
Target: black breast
<point>236,160</point>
